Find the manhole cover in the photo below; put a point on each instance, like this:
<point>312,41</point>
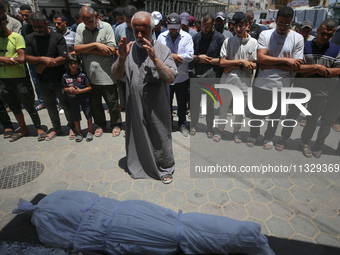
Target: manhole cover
<point>19,174</point>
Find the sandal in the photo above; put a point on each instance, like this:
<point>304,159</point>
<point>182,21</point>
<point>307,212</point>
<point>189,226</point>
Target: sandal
<point>192,131</point>
<point>237,138</point>
<point>251,142</point>
<point>79,138</point>
<point>306,151</point>
<point>99,132</point>
<point>317,154</point>
<point>210,135</point>
<point>217,137</point>
<point>72,135</point>
<point>89,137</point>
<point>50,137</point>
<point>168,177</point>
<point>42,136</point>
<point>267,145</point>
<point>336,127</point>
<point>280,146</point>
<point>16,137</point>
<point>8,133</point>
<point>116,131</point>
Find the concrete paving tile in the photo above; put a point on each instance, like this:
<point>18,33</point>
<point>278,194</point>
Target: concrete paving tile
<point>32,149</point>
<point>319,180</point>
<point>258,210</point>
<point>183,184</point>
<point>175,198</point>
<point>79,185</point>
<point>235,211</point>
<point>301,181</point>
<point>336,203</point>
<point>211,208</point>
<point>94,175</point>
<point>326,225</point>
<point>282,182</point>
<point>243,183</point>
<point>100,187</point>
<point>111,195</point>
<point>74,176</point>
<point>218,197</point>
<point>204,184</point>
<point>263,183</point>
<point>323,207</point>
<point>56,186</point>
<point>337,219</point>
<point>85,157</point>
<point>142,186</point>
<point>114,148</point>
<point>264,229</point>
<point>114,175</point>
<point>102,156</point>
<point>279,227</point>
<point>224,184</point>
<point>118,156</point>
<point>71,157</point>
<point>108,165</point>
<point>327,244</point>
<point>8,205</point>
<point>303,209</point>
<point>121,186</point>
<point>239,196</point>
<point>335,189</point>
<point>154,197</point>
<point>321,193</point>
<point>161,187</point>
<point>197,197</point>
<point>95,143</point>
<point>304,226</point>
<point>281,210</point>
<point>182,163</point>
<point>131,195</point>
<point>281,194</point>
<point>61,142</point>
<point>261,195</point>
<point>186,208</point>
<point>80,149</point>
<point>301,194</point>
<point>89,166</point>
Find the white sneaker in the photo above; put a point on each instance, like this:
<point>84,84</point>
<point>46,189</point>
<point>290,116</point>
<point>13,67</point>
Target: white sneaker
<point>61,111</point>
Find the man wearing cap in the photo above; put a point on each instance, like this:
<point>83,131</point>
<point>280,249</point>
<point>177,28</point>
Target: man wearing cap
<point>185,20</point>
<point>238,57</point>
<point>280,51</point>
<point>305,29</point>
<point>255,29</point>
<point>158,24</point>
<point>207,47</point>
<point>149,68</point>
<point>220,21</point>
<point>181,45</point>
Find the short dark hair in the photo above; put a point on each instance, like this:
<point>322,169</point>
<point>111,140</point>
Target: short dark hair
<point>25,7</point>
<point>63,18</point>
<point>38,16</point>
<point>249,13</point>
<point>77,16</point>
<point>119,11</point>
<point>130,10</point>
<point>70,58</point>
<point>206,16</point>
<point>329,23</point>
<point>285,11</point>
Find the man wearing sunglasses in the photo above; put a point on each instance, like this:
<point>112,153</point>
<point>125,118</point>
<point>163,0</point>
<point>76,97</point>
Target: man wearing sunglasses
<point>280,52</point>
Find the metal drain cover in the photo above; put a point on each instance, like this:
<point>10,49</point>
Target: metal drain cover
<point>19,174</point>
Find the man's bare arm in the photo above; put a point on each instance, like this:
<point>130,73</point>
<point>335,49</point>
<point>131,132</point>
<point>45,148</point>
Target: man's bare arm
<point>263,58</point>
<point>95,48</point>
<point>118,68</point>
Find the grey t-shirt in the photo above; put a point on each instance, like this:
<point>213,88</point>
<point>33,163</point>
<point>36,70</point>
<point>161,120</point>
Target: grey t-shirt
<point>97,67</point>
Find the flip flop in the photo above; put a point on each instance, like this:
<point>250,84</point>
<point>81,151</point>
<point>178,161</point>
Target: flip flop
<point>72,136</point>
<point>167,176</point>
<point>251,142</point>
<point>306,151</point>
<point>42,136</point>
<point>116,131</point>
<point>237,138</point>
<point>217,137</point>
<point>193,131</point>
<point>50,138</point>
<point>99,132</point>
<point>16,137</point>
<point>210,135</point>
<point>8,134</point>
<point>267,145</point>
<point>79,138</point>
<point>89,137</point>
<point>280,146</point>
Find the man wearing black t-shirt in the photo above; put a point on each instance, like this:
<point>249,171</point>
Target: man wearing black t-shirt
<point>47,50</point>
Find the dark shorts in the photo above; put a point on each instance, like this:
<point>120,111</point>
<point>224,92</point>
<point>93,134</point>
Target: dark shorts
<point>78,103</point>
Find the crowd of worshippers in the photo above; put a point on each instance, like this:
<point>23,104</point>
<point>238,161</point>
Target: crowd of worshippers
<point>75,68</point>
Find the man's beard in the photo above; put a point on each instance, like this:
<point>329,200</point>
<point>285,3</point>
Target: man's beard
<point>140,42</point>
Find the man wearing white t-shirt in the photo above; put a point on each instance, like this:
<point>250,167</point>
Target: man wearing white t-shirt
<point>238,57</point>
<point>281,48</point>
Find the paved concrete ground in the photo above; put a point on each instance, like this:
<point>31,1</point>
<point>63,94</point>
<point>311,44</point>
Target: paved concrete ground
<point>299,214</point>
